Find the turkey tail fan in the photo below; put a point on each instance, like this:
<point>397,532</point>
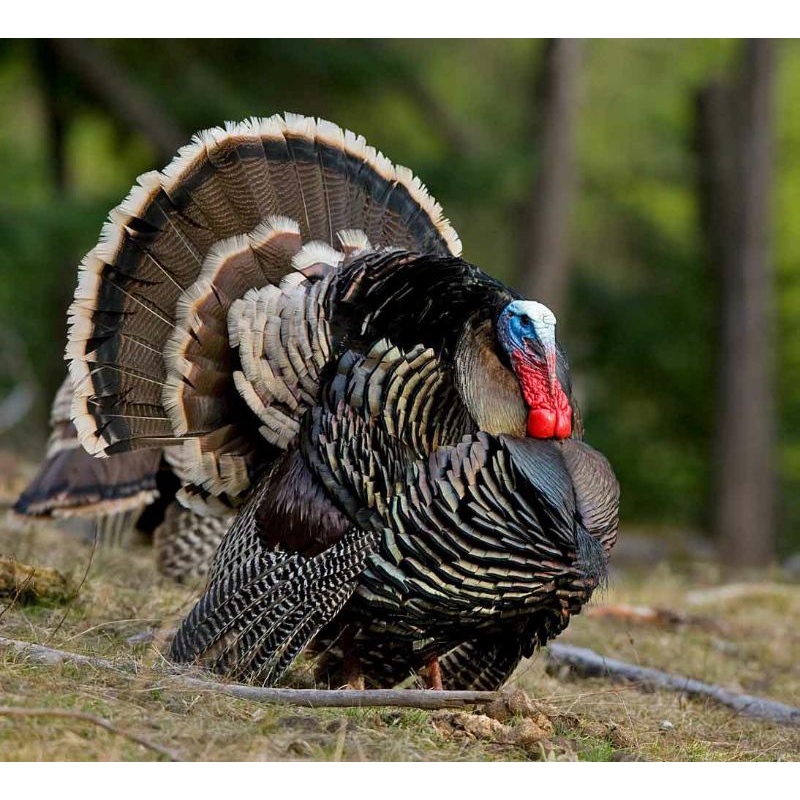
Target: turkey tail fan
<point>127,495</point>
<point>70,483</point>
<point>148,340</point>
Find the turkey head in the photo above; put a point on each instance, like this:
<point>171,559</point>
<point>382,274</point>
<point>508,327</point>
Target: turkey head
<point>512,375</point>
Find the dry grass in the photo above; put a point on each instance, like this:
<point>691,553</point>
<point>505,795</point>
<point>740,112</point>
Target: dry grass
<point>747,641</point>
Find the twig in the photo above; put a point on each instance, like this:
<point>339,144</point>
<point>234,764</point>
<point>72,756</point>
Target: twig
<point>11,711</point>
<point>589,664</point>
<point>309,698</point>
<point>20,590</point>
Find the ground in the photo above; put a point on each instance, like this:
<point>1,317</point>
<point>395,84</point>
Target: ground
<point>743,637</point>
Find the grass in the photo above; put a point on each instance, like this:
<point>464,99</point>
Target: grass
<point>746,639</point>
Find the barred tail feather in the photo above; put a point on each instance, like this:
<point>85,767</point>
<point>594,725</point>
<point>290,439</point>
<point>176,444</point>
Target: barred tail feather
<point>185,543</point>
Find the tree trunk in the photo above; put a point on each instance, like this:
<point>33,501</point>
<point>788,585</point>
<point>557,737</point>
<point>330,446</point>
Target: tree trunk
<point>543,253</point>
<point>55,106</point>
<point>744,502</point>
<point>54,109</point>
<point>121,95</point>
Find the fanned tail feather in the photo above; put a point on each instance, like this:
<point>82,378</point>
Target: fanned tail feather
<point>149,347</point>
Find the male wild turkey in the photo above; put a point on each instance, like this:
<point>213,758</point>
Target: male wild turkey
<point>133,492</point>
<point>288,314</point>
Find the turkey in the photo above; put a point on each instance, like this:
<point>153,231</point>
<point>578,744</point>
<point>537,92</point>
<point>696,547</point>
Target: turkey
<point>286,314</point>
<point>129,494</point>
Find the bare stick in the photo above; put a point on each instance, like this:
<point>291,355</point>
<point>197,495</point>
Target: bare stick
<point>310,698</point>
<point>585,662</point>
<point>10,711</point>
<point>339,698</point>
<point>589,664</point>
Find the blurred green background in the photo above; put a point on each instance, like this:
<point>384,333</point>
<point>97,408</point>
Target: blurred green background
<point>640,316</point>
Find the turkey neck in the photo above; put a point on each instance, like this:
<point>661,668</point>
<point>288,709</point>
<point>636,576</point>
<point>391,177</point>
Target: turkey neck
<point>490,390</point>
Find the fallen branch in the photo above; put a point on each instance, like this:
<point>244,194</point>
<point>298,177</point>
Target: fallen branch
<point>310,698</point>
<point>13,711</point>
<point>341,698</point>
<point>589,664</point>
<point>585,662</point>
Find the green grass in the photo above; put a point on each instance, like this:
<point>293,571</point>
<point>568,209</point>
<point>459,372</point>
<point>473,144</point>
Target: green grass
<point>747,641</point>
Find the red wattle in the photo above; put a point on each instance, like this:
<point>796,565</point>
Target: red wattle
<point>549,411</point>
<point>564,423</point>
<point>541,423</point>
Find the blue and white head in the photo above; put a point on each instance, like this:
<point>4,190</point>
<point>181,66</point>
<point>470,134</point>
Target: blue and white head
<point>526,330</point>
<point>523,323</point>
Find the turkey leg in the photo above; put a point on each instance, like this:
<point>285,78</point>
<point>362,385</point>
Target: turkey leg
<point>434,673</point>
<point>351,663</point>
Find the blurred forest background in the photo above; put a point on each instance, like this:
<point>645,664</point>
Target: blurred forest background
<point>648,191</point>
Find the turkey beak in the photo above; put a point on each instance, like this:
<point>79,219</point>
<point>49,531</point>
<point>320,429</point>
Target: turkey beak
<point>547,338</point>
<point>544,326</point>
